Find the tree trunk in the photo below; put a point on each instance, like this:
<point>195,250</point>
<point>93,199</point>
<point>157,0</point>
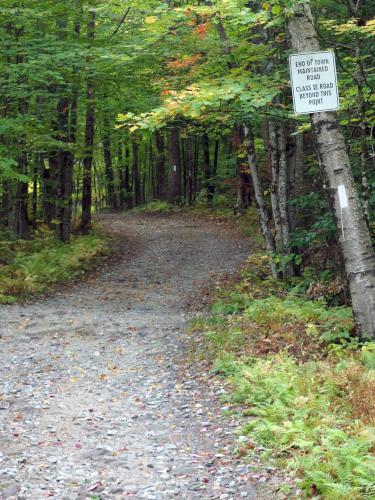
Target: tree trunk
<point>354,237</point>
<point>89,138</point>
<point>67,180</point>
<point>189,163</point>
<point>363,126</point>
<point>259,196</point>
<point>36,172</point>
<point>195,168</point>
<point>22,222</point>
<point>7,206</point>
<point>136,175</point>
<point>7,203</point>
<point>174,173</point>
<point>208,171</point>
<point>282,195</point>
<point>64,172</point>
<point>124,172</point>
<point>160,167</point>
<point>216,158</point>
<point>108,163</point>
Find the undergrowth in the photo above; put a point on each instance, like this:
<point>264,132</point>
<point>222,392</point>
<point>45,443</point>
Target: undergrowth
<point>31,267</point>
<point>305,384</point>
<point>156,206</point>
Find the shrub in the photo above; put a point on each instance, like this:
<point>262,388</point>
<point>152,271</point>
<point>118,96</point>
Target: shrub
<point>33,266</point>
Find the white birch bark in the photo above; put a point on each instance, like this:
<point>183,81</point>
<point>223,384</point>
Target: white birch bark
<point>259,196</point>
<point>354,236</point>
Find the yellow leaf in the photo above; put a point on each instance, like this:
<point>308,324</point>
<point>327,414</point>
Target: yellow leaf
<point>133,128</point>
<point>150,19</point>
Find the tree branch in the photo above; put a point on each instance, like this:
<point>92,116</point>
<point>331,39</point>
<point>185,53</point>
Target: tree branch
<point>120,23</point>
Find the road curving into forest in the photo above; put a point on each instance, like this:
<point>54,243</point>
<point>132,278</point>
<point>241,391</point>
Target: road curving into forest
<point>96,401</point>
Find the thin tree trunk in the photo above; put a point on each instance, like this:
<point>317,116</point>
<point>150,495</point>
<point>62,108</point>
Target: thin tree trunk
<point>274,163</point>
<point>63,169</point>
<point>216,158</point>
<point>67,180</point>
<point>86,220</point>
<point>207,171</point>
<point>151,170</point>
<point>7,205</point>
<point>160,166</point>
<point>288,268</point>
<point>189,164</point>
<point>363,126</point>
<point>123,170</point>
<point>22,222</point>
<point>174,173</point>
<point>108,163</point>
<point>195,168</point>
<point>136,175</point>
<point>77,190</point>
<point>354,236</point>
<point>36,171</point>
<point>259,196</point>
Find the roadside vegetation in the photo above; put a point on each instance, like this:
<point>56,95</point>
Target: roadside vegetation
<point>28,267</point>
<point>303,382</point>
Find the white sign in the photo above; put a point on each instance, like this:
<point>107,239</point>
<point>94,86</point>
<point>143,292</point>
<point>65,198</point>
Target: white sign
<point>314,82</point>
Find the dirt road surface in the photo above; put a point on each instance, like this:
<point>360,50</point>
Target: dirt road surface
<point>96,401</point>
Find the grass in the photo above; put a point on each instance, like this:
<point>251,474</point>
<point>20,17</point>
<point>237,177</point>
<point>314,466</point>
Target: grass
<point>303,383</point>
<point>32,267</point>
<point>154,207</point>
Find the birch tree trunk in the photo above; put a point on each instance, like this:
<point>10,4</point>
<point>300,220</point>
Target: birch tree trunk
<point>354,236</point>
<point>262,208</point>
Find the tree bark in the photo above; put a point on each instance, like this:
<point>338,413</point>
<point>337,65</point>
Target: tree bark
<point>86,221</point>
<point>174,170</point>
<point>160,166</point>
<point>67,180</point>
<point>208,171</point>
<point>136,175</point>
<point>189,163</point>
<point>107,153</point>
<point>283,198</point>
<point>354,236</point>
<point>22,222</point>
<point>363,126</point>
<point>258,189</point>
<point>274,164</point>
<point>125,177</point>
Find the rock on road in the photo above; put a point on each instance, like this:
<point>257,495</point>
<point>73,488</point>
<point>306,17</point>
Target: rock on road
<point>94,403</point>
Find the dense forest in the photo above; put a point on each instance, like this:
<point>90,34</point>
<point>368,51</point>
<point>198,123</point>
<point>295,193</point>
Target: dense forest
<point>164,134</point>
<point>112,106</point>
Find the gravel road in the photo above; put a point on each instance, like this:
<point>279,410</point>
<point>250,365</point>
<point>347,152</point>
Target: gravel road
<point>96,401</point>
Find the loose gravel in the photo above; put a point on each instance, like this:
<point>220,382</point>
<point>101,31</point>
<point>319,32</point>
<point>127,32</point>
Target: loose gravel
<point>96,398</point>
